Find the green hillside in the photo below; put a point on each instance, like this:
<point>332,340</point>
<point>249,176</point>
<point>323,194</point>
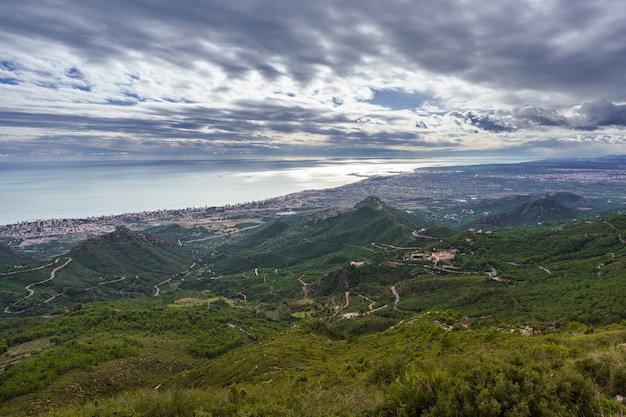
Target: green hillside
<point>497,276</point>
<point>538,211</point>
<point>9,258</point>
<point>118,264</point>
<point>128,252</point>
<point>368,311</point>
<point>517,210</point>
<point>430,364</point>
<point>103,349</point>
<point>326,237</point>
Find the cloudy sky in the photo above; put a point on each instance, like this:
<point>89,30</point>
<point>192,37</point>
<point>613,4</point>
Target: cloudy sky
<point>154,78</point>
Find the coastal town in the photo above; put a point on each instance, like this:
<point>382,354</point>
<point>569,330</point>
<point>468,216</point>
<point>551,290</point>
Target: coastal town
<point>449,194</point>
<point>190,216</point>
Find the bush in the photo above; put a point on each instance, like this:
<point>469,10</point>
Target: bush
<point>607,370</point>
<point>488,388</point>
<point>387,371</point>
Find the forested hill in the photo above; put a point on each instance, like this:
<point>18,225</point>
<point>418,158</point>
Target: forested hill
<point>537,211</point>
<point>126,252</point>
<point>10,257</point>
<point>119,264</point>
<point>320,238</point>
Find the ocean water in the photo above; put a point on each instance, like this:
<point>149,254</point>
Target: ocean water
<point>45,190</point>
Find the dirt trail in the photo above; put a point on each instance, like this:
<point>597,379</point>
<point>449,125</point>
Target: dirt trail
<point>113,281</point>
<point>371,302</point>
<point>395,294</point>
<point>222,235</point>
<point>305,287</point>
<point>621,239</point>
<point>157,286</point>
<point>157,289</point>
<point>31,292</point>
<point>3,274</point>
<point>546,270</point>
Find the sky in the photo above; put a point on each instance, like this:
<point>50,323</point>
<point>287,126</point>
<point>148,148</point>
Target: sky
<point>323,78</point>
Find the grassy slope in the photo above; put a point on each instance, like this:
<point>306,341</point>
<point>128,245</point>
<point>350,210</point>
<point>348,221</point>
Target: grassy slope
<point>573,272</point>
<point>105,349</point>
<point>545,276</point>
<point>320,238</point>
<point>309,371</point>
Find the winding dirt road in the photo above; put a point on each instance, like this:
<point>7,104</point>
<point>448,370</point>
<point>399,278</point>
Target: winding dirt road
<point>305,287</point>
<point>395,294</point>
<point>31,292</point>
<point>157,287</point>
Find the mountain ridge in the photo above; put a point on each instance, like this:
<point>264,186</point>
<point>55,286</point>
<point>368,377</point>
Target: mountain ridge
<point>127,251</point>
<point>348,313</point>
<point>320,234</point>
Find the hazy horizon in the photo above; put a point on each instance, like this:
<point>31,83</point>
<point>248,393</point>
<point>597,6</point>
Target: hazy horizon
<point>84,189</point>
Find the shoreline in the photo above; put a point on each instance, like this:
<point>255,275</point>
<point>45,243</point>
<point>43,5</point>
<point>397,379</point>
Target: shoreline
<point>128,188</point>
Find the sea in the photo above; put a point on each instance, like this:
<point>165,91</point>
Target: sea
<point>80,189</point>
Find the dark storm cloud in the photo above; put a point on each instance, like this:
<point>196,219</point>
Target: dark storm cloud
<point>567,46</point>
<point>177,32</point>
<point>591,116</point>
<point>602,113</point>
<point>565,54</point>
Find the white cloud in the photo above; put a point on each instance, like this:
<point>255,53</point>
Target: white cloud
<point>271,75</point>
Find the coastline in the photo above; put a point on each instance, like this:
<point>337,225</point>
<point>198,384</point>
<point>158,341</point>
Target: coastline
<point>81,190</point>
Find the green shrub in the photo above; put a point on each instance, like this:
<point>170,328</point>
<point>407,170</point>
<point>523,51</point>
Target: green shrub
<point>490,388</point>
<point>607,369</point>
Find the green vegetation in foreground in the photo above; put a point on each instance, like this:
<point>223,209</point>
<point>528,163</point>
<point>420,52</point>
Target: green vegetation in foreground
<point>429,365</point>
<point>102,349</point>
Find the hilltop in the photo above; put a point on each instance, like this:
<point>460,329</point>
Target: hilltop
<point>126,252</point>
<point>546,209</point>
<point>319,238</point>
